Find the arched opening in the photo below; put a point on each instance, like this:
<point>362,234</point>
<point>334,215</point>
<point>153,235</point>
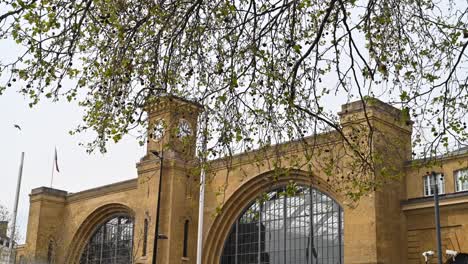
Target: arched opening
<point>302,226</point>
<point>186,230</point>
<point>111,243</point>
<point>51,252</point>
<point>145,237</point>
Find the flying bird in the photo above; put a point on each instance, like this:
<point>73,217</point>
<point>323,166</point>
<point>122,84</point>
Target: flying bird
<point>18,127</point>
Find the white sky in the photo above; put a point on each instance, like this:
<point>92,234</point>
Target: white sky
<point>44,127</point>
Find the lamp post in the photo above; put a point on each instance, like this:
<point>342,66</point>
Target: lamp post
<point>437,217</point>
<point>157,236</point>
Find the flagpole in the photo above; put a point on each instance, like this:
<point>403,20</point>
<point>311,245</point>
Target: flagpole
<point>15,209</point>
<point>201,204</point>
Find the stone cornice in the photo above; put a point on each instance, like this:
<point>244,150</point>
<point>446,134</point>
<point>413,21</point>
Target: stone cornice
<point>285,149</point>
<point>103,190</point>
<point>47,194</point>
<point>167,103</point>
<point>443,158</point>
<point>372,103</point>
<point>45,198</point>
<point>428,202</point>
<point>374,110</point>
<point>381,120</point>
<point>150,164</point>
<point>48,191</point>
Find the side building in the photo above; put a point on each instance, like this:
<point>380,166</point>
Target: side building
<point>418,205</point>
<point>255,212</point>
<point>4,244</point>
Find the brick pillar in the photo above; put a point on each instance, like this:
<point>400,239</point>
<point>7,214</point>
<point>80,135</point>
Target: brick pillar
<point>391,147</point>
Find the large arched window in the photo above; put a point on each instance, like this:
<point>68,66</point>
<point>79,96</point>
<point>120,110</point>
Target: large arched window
<point>302,226</point>
<point>111,243</point>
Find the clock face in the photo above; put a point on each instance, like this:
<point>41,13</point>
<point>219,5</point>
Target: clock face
<point>158,130</point>
<point>184,129</point>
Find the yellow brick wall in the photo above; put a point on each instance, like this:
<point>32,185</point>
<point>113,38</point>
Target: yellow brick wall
<point>382,227</point>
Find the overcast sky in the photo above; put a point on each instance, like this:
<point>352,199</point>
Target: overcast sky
<point>42,128</point>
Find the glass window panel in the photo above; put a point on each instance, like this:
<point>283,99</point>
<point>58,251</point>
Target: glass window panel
<point>304,228</point>
<point>461,180</point>
<point>112,243</point>
<point>429,184</point>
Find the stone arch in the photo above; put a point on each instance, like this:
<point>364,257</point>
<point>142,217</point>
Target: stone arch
<point>244,195</point>
<point>89,226</point>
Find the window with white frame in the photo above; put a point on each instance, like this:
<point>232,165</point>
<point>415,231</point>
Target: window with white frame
<point>461,180</point>
<point>429,184</point>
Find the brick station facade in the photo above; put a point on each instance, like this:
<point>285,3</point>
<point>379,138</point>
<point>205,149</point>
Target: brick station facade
<point>393,224</point>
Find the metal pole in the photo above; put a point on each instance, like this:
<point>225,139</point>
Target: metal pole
<point>437,218</point>
<point>200,217</point>
<point>156,231</point>
<point>15,208</point>
<point>202,189</point>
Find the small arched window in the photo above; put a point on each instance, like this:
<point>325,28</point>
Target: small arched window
<point>145,237</point>
<point>186,229</point>
<point>50,252</point>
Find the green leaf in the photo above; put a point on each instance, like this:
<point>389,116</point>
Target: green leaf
<point>404,96</point>
<point>222,98</point>
<point>297,48</point>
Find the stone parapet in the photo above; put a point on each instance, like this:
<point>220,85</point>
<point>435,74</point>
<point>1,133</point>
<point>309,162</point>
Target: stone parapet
<point>49,191</point>
<point>374,109</point>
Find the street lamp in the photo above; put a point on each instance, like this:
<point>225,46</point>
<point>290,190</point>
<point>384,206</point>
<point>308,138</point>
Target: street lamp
<point>158,236</point>
<point>437,216</point>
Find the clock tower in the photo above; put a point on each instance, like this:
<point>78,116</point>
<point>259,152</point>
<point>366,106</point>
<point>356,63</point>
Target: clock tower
<point>172,126</point>
<point>168,183</point>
